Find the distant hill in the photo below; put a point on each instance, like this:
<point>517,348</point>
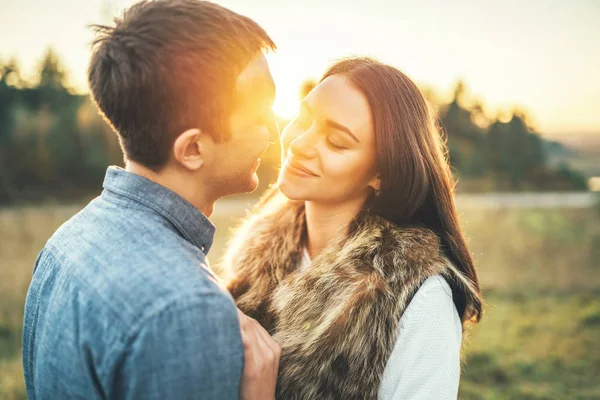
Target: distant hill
<point>587,142</point>
<point>579,151</point>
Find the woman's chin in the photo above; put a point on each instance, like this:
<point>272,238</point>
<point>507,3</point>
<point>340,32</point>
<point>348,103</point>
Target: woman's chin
<point>291,190</point>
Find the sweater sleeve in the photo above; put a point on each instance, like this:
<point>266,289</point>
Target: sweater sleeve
<point>425,361</point>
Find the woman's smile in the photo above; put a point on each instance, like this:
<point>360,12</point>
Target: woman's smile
<point>295,168</point>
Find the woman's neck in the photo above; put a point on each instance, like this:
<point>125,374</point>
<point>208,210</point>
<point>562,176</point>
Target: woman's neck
<point>323,221</point>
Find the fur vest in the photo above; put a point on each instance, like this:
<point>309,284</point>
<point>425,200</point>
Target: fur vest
<point>337,321</point>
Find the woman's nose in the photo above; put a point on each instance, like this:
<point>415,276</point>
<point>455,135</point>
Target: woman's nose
<point>304,145</point>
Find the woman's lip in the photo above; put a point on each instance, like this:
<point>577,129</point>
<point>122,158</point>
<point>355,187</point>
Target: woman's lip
<point>299,168</point>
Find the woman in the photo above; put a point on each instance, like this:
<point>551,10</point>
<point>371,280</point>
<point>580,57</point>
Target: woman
<point>356,263</point>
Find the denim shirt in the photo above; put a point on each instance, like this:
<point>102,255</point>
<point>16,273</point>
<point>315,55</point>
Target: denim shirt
<point>122,304</point>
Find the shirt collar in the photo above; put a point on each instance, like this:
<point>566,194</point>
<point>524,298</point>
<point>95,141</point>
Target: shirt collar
<point>194,226</point>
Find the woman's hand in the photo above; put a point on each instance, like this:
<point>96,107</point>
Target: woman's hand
<point>261,364</point>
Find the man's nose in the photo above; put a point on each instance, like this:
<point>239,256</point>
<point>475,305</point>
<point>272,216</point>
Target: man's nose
<point>273,130</point>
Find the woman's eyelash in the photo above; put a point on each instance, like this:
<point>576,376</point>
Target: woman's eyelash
<point>303,121</point>
<point>335,146</point>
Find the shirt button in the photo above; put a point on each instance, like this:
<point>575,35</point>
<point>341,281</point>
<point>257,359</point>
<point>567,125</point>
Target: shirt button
<point>202,248</point>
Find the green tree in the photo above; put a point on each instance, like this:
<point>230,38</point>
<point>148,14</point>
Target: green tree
<point>515,149</point>
<point>466,141</point>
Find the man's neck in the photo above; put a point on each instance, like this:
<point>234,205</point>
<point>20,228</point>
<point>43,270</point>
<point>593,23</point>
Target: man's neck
<point>178,183</point>
<point>325,220</point>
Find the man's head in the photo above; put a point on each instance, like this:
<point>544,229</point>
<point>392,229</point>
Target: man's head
<point>186,87</point>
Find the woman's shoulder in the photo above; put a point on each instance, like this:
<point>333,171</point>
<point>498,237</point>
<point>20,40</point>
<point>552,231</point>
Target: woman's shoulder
<point>432,302</point>
<point>436,285</point>
<point>425,361</point>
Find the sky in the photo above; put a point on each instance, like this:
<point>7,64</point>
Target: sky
<point>542,56</point>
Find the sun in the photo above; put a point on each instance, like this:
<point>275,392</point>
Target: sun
<point>287,77</point>
<point>285,106</point>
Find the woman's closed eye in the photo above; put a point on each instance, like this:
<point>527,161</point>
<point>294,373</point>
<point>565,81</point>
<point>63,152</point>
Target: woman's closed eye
<point>335,143</point>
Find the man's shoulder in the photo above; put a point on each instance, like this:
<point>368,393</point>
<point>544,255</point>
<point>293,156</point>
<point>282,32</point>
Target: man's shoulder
<point>101,219</point>
<point>130,263</point>
<point>129,288</point>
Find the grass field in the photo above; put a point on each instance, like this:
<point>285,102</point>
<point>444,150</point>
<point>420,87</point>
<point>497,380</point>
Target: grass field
<point>539,269</point>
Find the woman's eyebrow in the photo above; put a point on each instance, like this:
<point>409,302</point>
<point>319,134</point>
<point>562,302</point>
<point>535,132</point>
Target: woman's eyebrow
<point>342,128</point>
<point>331,124</point>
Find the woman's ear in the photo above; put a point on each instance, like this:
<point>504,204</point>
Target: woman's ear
<point>375,182</point>
<point>191,149</point>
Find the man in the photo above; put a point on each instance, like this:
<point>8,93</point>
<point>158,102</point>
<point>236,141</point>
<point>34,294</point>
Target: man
<point>122,304</point>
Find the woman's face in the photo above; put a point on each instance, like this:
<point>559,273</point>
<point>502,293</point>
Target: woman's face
<point>328,150</point>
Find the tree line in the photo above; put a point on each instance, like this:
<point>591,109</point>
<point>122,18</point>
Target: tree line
<point>55,145</point>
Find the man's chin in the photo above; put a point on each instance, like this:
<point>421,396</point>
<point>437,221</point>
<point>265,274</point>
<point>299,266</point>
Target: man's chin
<point>253,184</point>
<point>248,186</point>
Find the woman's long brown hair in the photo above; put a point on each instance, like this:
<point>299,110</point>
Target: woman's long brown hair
<point>417,184</point>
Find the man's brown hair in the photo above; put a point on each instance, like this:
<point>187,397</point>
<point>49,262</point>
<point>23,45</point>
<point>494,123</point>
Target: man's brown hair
<point>167,66</point>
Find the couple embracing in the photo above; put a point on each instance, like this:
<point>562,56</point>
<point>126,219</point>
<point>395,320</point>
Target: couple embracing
<point>351,279</point>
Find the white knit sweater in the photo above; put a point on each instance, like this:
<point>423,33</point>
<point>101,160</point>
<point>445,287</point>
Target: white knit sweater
<point>425,361</point>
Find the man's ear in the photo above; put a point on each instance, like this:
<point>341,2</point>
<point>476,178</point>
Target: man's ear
<point>191,149</point>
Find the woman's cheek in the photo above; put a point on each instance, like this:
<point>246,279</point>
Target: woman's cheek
<point>334,164</point>
<point>344,167</point>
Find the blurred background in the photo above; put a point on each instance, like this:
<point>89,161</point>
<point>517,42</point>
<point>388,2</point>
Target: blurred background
<point>516,87</point>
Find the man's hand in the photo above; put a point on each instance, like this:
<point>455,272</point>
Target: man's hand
<point>261,364</point>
